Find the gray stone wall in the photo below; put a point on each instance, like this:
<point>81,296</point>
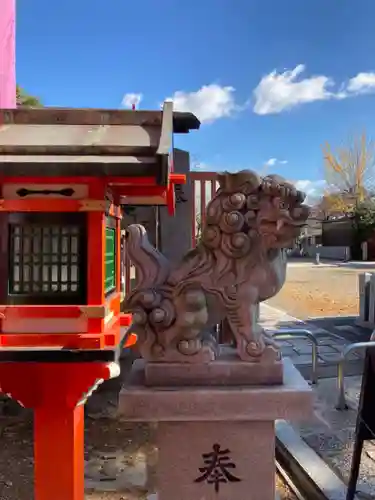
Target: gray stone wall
<point>334,253</point>
<point>145,215</point>
<point>176,231</point>
<point>173,236</point>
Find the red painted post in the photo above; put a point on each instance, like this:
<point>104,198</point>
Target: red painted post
<point>56,392</point>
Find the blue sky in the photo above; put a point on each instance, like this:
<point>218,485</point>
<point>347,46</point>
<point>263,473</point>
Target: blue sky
<point>271,80</point>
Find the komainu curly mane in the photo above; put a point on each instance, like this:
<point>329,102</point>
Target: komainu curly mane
<point>239,261</point>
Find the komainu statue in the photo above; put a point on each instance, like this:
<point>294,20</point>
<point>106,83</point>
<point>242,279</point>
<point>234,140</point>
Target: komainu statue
<point>239,261</point>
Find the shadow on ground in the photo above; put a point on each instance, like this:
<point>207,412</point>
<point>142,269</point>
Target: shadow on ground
<point>343,326</point>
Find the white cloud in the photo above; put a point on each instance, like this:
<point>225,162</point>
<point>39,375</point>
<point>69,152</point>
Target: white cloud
<point>275,93</point>
<point>201,166</point>
<point>129,99</point>
<point>209,103</point>
<point>273,161</point>
<point>362,83</point>
<point>312,189</point>
<point>278,92</point>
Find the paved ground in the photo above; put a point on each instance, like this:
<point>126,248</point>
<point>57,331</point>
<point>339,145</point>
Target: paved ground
<point>330,289</point>
<point>333,335</point>
<point>330,432</point>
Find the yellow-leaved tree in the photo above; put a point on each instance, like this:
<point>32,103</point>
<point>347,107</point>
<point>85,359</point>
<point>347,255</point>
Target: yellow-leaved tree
<point>349,174</point>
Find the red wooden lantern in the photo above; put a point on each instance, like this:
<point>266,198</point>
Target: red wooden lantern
<point>64,177</point>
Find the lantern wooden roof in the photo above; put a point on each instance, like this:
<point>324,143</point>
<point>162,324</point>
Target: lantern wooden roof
<point>90,142</point>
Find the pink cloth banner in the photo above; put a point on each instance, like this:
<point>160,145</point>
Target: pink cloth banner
<point>8,54</point>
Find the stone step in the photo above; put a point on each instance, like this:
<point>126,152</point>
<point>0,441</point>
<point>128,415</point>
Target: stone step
<point>310,473</point>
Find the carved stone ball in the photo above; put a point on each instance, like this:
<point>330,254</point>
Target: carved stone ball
<point>235,245</point>
<point>150,298</point>
<point>234,202</point>
<point>195,300</point>
<point>139,317</point>
<point>211,237</point>
<point>231,222</point>
<point>157,315</point>
<point>239,240</point>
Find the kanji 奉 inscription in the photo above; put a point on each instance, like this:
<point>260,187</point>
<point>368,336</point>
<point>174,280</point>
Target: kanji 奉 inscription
<point>216,468</point>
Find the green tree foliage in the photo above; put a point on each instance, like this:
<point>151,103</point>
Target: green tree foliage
<point>24,99</point>
<point>364,219</point>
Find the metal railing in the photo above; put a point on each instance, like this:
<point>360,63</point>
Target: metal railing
<point>358,346</point>
<point>302,333</point>
<point>340,360</point>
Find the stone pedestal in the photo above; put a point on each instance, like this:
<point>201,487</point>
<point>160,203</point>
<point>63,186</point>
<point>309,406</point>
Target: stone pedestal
<point>216,442</point>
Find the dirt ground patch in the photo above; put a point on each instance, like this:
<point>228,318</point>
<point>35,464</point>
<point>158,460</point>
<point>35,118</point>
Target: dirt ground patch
<point>103,437</point>
<point>312,291</point>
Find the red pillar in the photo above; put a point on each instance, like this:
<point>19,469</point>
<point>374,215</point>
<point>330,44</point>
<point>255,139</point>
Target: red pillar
<point>57,393</point>
<point>59,469</point>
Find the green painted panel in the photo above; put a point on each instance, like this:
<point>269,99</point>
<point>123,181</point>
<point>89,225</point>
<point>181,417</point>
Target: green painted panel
<point>110,259</point>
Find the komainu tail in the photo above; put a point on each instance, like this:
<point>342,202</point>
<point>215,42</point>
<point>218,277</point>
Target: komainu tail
<point>152,267</point>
